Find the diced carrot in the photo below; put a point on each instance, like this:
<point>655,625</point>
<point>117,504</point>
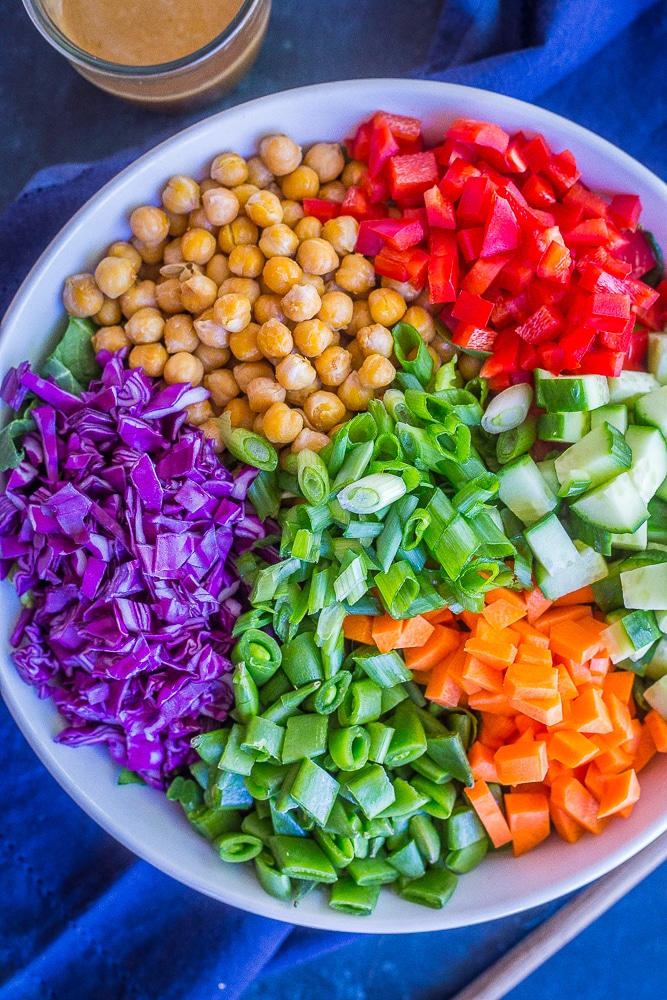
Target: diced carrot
<point>386,632</point>
<point>584,595</point>
<point>554,770</point>
<point>571,748</point>
<point>589,712</point>
<point>594,780</point>
<point>469,618</point>
<point>556,616</point>
<point>547,710</point>
<point>490,634</point>
<point>536,604</point>
<point>566,721</point>
<point>567,689</point>
<point>579,672</point>
<point>441,686</point>
<point>621,720</point>
<point>517,763</point>
<point>359,628</point>
<point>494,730</point>
<point>415,632</point>
<point>658,729</point>
<point>502,613</point>
<point>455,667</point>
<point>566,827</point>
<point>489,812</point>
<point>443,641</point>
<point>645,750</point>
<point>496,654</point>
<point>573,641</point>
<point>528,819</point>
<point>632,745</point>
<point>570,795</point>
<point>599,667</point>
<point>488,701</point>
<point>482,764</point>
<point>481,674</point>
<point>443,616</point>
<point>534,654</point>
<point>506,595</point>
<point>421,676</point>
<point>620,791</point>
<point>531,635</point>
<point>620,683</point>
<point>524,724</point>
<point>530,680</point>
<point>611,759</point>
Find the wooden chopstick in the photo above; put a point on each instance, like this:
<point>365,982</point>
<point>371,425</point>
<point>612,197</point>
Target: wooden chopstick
<point>526,956</point>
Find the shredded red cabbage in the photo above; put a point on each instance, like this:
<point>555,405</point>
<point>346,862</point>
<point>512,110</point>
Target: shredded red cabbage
<point>116,529</point>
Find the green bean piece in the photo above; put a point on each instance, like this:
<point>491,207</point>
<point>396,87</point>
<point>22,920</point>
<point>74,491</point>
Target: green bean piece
<point>234,758</point>
<point>372,789</point>
<point>260,652</point>
<point>333,654</point>
<point>288,703</point>
<point>305,736</point>
<point>372,871</point>
<point>254,618</point>
<point>246,696</point>
<point>256,827</point>
<point>386,669</point>
<point>331,695</point>
<point>463,828</point>
<point>426,837</point>
<point>409,739</point>
<point>301,857</point>
<point>233,792</point>
<point>210,746</point>
<point>380,737</point>
<point>465,725</point>
<point>393,696</point>
<point>428,768</point>
<point>357,900</point>
<point>314,790</point>
<point>263,739</point>
<point>286,822</point>
<point>380,827</point>
<point>466,858</point>
<point>349,747</point>
<point>210,823</point>
<point>284,800</point>
<point>433,888</point>
<point>342,820</point>
<point>408,800</point>
<point>449,753</point>
<point>432,725</point>
<point>407,860</point>
<point>361,846</point>
<point>442,798</point>
<point>265,780</point>
<point>275,688</point>
<point>201,772</point>
<point>271,879</point>
<point>238,846</point>
<point>362,703</point>
<point>339,850</point>
<point>302,660</point>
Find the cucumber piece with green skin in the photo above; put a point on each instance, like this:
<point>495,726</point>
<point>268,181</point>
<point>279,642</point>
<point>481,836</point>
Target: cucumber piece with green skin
<point>656,361</point>
<point>572,393</point>
<point>656,696</point>
<point>634,541</point>
<point>651,409</point>
<point>615,506</point>
<point>661,619</point>
<point>645,587</point>
<point>608,591</point>
<point>631,636</point>
<point>599,456</point>
<point>548,469</point>
<point>563,428</point>
<point>550,544</point>
<point>589,568</point>
<point>649,459</point>
<point>524,490</point>
<point>629,386</point>
<point>661,491</point>
<point>598,538</point>
<point>613,413</point>
<point>540,376</point>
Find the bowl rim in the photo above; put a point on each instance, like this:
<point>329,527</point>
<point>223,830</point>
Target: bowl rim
<point>43,744</point>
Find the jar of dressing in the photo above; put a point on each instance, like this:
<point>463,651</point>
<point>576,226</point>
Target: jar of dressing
<point>163,54</point>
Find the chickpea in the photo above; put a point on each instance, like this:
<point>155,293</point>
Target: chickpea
<point>317,256</point>
<point>121,248</point>
<point>229,169</point>
<point>240,413</point>
<point>237,233</point>
<point>243,192</point>
<point>208,184</point>
<point>437,360</point>
<point>258,172</point>
<point>212,358</point>
<point>404,288</point>
<point>168,296</point>
<point>376,372</point>
<point>246,371</point>
<point>469,366</point>
<point>211,431</point>
<point>220,206</point>
<point>268,307</point>
<point>179,334</point>
<point>199,220</point>
<point>263,393</point>
<point>333,191</point>
<point>442,348</point>
<point>247,287</point>
<point>246,261</point>
<point>280,273</point>
<point>139,295</point>
<point>342,233</point>
<point>355,274</point>
<point>361,316</point>
<point>258,424</point>
<point>295,372</point>
<point>222,386</point>
<point>151,357</point>
<point>323,410</point>
<point>280,154</point>
<point>308,228</point>
<point>297,397</point>
<point>387,306</point>
<point>326,159</point>
<point>199,413</point>
<point>243,343</point>
<point>301,183</point>
<point>336,310</point>
<point>81,296</point>
<point>353,394</point>
<point>274,339</point>
<point>301,302</point>
<point>278,241</point>
<point>114,275</point>
<point>232,311</point>
<point>181,195</point>
<point>311,337</point>
<point>198,293</point>
<point>145,326</point>
<point>375,339</point>
<point>333,365</point>
<point>110,338</point>
<point>151,253</point>
<point>292,212</point>
<point>149,224</point>
<point>211,333</point>
<point>110,314</point>
<point>173,252</point>
<point>198,246</point>
<point>310,439</point>
<point>264,208</point>
<point>316,281</point>
<point>281,424</point>
<point>353,172</point>
<point>217,269</point>
<point>422,321</point>
<point>177,223</point>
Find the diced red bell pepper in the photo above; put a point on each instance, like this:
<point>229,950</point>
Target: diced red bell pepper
<point>562,171</point>
<point>452,150</point>
<point>516,275</point>
<point>546,293</point>
<point>411,174</point>
<point>499,382</point>
<point>484,134</point>
<point>505,356</point>
<point>475,201</point>
<point>624,211</point>
<point>529,359</point>
<point>356,204</point>
<point>514,158</point>
<point>321,208</point>
<point>555,263</point>
<point>501,232</point>
<point>536,153</point>
<point>369,242</point>
<point>397,233</point>
<point>443,279</point>
<point>642,295</point>
<point>472,309</point>
<point>592,232</point>
<point>502,315</point>
<point>442,242</point>
<point>617,240</point>
<point>638,253</point>
<point>474,338</point>
<point>470,242</point>
<point>382,147</point>
<point>617,340</point>
<point>375,188</point>
<point>609,311</point>
<point>592,205</point>
<point>456,177</point>
<point>439,210</point>
<point>576,342</point>
<point>552,357</point>
<point>528,218</point>
<point>567,217</point>
<point>602,362</point>
<point>544,324</point>
<point>483,272</point>
<point>358,147</point>
<point>405,129</point>
<point>538,191</point>
<point>403,265</point>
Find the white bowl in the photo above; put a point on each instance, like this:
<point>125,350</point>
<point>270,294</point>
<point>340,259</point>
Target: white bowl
<point>141,818</point>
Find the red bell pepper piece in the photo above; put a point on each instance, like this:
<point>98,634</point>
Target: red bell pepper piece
<point>638,253</point>
<point>472,309</point>
<point>397,233</point>
<point>501,232</point>
<point>538,191</point>
<point>456,177</point>
<point>411,174</point>
<point>359,145</point>
<point>516,275</point>
<point>555,263</point>
<point>514,158</point>
<point>536,153</point>
<point>475,201</point>
<point>505,356</point>
<point>624,211</point>
<point>562,171</point>
<point>529,359</point>
<point>593,205</point>
<point>356,204</point>
<point>617,340</point>
<point>602,362</point>
<point>544,324</point>
<point>369,242</point>
<point>375,188</point>
<point>474,338</point>
<point>382,147</point>
<point>470,242</point>
<point>443,279</point>
<point>452,150</point>
<point>576,342</point>
<point>483,134</point>
<point>592,232</point>
<point>483,272</point>
<point>321,208</point>
<point>405,129</point>
<point>442,242</point>
<point>609,311</point>
<point>567,217</point>
<point>552,357</point>
<point>439,210</point>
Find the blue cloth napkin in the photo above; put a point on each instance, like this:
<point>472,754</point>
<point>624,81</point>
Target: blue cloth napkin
<point>81,916</point>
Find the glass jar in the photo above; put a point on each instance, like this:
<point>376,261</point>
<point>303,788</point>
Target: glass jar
<point>192,81</point>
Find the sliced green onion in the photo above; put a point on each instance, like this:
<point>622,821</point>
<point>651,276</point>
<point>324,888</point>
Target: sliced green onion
<point>516,441</point>
<point>398,588</point>
<point>471,498</point>
<point>307,545</point>
<point>394,401</point>
<point>260,652</point>
<point>351,579</point>
<point>362,704</point>
<point>321,592</point>
<point>313,477</point>
<point>332,693</point>
<point>383,422</point>
<point>508,409</point>
<point>454,439</point>
<point>371,494</point>
<point>386,669</point>
<point>419,447</point>
<point>387,448</point>
<point>247,446</point>
<point>264,495</point>
<point>408,341</point>
<point>354,465</point>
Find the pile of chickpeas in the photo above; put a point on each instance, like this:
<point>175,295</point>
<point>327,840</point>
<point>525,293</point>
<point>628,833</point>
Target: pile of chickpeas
<point>231,285</point>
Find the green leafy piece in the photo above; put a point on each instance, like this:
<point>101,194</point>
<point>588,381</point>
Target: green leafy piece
<point>15,431</point>
<point>73,364</point>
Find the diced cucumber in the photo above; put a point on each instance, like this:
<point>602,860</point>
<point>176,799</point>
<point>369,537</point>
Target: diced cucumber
<point>657,665</point>
<point>598,538</point>
<point>540,375</point>
<point>570,393</point>
<point>634,541</point>
<point>614,414</point>
<point>615,506</point>
<point>563,428</point>
<point>649,459</point>
<point>550,544</point>
<point>630,636</point>
<point>548,469</point>
<point>645,587</point>
<point>652,409</point>
<point>661,491</point>
<point>608,591</point>
<point>656,696</point>
<point>588,569</point>
<point>524,490</point>
<point>661,619</point>
<point>629,386</point>
<point>656,361</point>
<point>600,455</point>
